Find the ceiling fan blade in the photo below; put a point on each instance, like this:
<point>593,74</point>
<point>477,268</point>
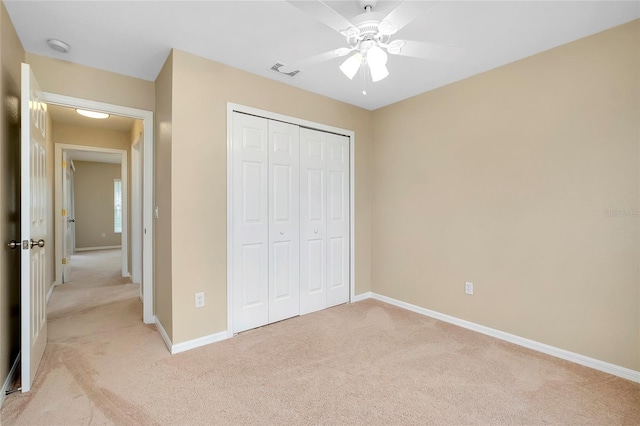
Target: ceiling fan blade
<point>323,13</point>
<point>309,62</point>
<point>405,12</point>
<point>432,51</point>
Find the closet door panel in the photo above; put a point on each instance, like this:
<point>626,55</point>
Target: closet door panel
<point>313,226</point>
<point>250,248</point>
<point>337,220</point>
<point>284,221</point>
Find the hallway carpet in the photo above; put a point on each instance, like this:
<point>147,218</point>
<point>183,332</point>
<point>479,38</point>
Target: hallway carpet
<point>363,363</point>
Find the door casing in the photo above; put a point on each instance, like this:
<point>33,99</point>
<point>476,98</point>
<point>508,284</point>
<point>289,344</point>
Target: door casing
<point>147,202</point>
<point>231,107</point>
<point>124,161</point>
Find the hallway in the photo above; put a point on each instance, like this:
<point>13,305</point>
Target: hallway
<point>94,279</point>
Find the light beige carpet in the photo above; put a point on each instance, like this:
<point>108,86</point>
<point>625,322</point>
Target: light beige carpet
<point>365,363</point>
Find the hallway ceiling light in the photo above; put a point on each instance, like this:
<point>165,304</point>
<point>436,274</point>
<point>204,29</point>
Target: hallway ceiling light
<point>92,114</point>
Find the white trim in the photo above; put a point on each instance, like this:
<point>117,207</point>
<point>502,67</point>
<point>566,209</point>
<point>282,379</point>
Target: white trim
<point>135,233</point>
<point>616,370</point>
<point>190,344</point>
<point>148,179</point>
<point>124,167</point>
<point>50,292</point>
<point>97,248</point>
<point>7,381</point>
<point>231,107</point>
<point>361,297</point>
<point>163,333</point>
<point>201,341</point>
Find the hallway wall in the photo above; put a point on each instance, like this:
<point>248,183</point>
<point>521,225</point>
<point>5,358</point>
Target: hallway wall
<point>94,204</point>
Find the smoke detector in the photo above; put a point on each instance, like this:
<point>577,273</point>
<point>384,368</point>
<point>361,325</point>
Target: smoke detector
<point>58,45</point>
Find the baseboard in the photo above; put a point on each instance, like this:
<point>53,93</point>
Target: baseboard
<point>98,248</point>
<point>201,341</point>
<point>7,381</point>
<point>616,370</point>
<point>362,296</point>
<point>50,292</point>
<point>190,344</point>
<point>163,333</point>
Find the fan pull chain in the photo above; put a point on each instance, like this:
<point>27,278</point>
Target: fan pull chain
<point>364,80</point>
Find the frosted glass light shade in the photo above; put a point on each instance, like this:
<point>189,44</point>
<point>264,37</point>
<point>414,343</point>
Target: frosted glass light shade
<point>351,66</point>
<point>378,71</point>
<point>376,56</point>
<point>92,114</point>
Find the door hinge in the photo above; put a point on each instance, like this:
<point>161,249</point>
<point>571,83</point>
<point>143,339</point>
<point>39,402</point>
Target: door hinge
<point>64,212</point>
<point>64,164</point>
<point>64,260</point>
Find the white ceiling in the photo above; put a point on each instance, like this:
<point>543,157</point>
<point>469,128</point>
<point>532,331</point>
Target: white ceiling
<point>135,37</point>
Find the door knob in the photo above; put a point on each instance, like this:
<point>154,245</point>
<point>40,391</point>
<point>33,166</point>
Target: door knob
<point>281,232</point>
<point>315,231</point>
<point>39,243</point>
<point>14,244</point>
<point>71,220</point>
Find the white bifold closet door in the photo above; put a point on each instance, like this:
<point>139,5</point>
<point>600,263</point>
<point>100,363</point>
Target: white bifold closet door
<point>324,220</point>
<point>266,224</point>
<point>290,221</point>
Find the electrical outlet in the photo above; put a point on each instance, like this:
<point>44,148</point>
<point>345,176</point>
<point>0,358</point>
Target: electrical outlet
<point>104,235</point>
<point>468,287</point>
<point>199,300</point>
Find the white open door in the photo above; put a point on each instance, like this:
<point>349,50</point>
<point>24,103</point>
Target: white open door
<point>33,227</point>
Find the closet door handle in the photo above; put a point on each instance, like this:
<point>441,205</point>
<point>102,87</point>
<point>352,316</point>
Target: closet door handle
<point>281,232</point>
<point>315,231</point>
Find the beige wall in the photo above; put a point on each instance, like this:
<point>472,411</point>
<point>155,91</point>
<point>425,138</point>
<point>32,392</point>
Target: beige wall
<point>163,296</point>
<point>66,78</point>
<point>201,90</point>
<point>93,198</point>
<point>505,180</point>
<point>91,136</point>
<point>11,55</point>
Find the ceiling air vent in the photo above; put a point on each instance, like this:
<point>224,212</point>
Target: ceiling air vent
<point>276,67</point>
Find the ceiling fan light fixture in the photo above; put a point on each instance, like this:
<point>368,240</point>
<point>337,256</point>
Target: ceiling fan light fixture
<point>378,72</point>
<point>351,66</point>
<point>376,56</point>
<point>92,114</point>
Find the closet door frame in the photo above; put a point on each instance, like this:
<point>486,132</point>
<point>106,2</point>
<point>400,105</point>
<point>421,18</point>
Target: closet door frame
<point>231,108</point>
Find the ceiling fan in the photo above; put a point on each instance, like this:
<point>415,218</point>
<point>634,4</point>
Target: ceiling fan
<point>369,37</point>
